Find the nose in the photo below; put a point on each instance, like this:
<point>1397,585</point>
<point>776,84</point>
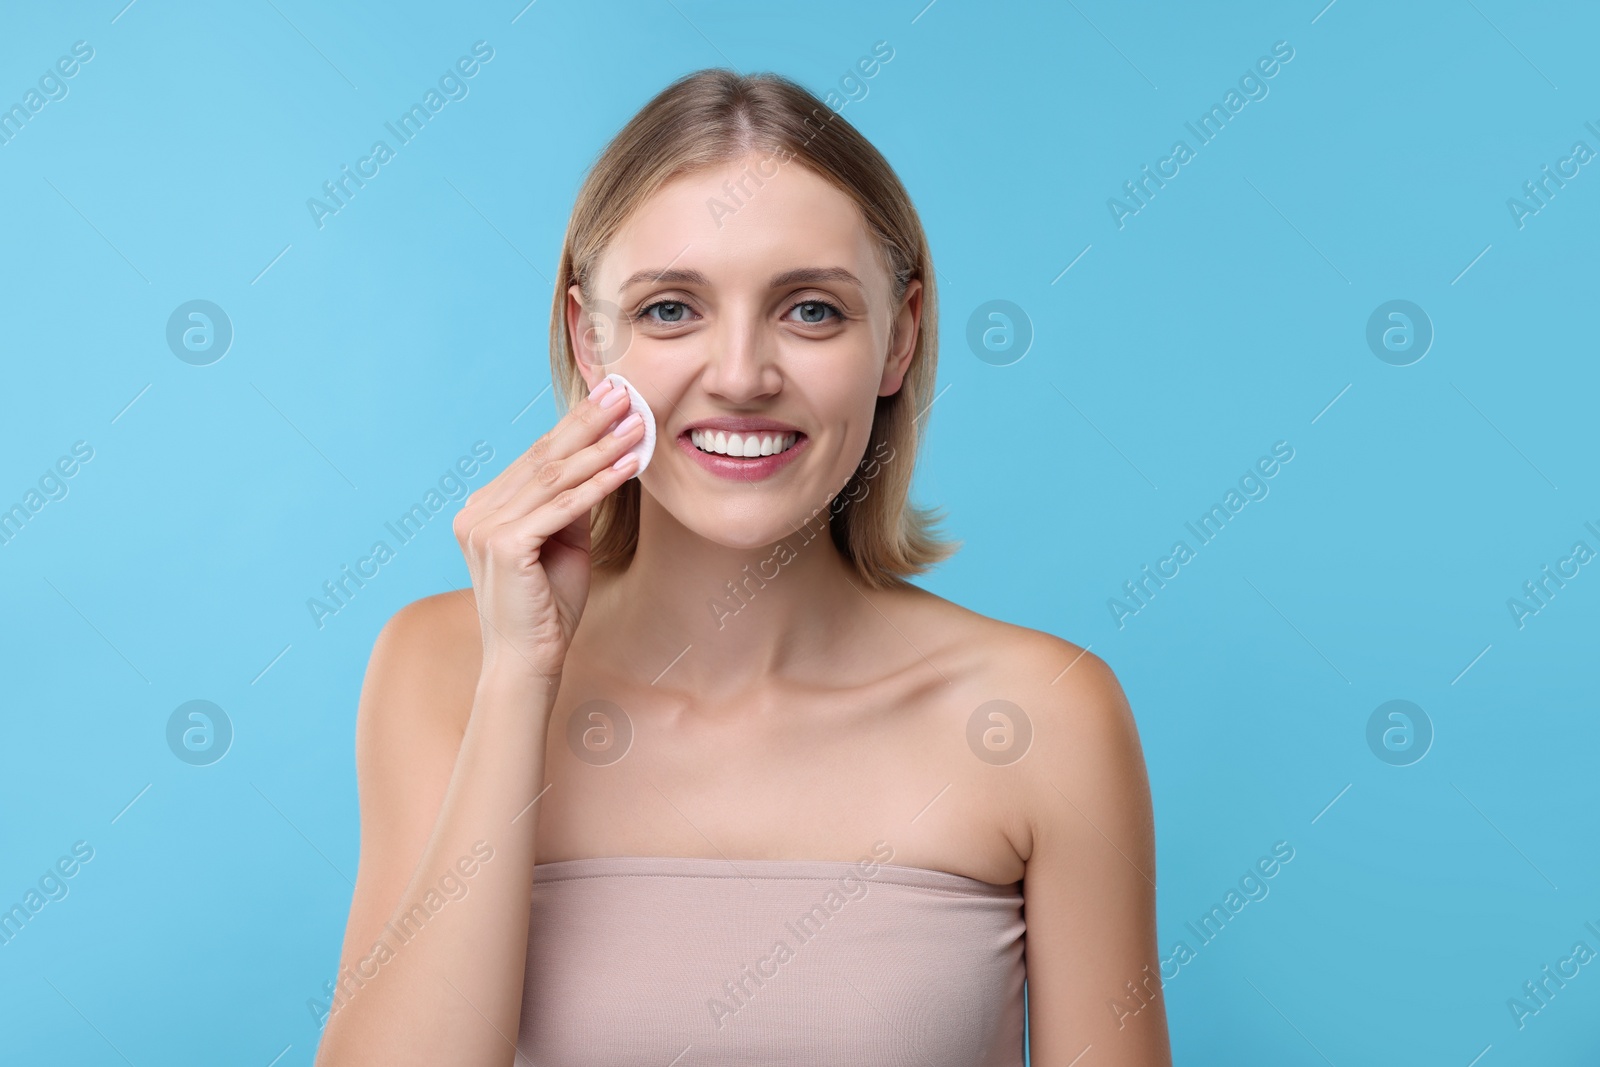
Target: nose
<point>741,364</point>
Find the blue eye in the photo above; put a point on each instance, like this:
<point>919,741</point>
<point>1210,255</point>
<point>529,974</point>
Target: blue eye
<point>670,311</point>
<point>815,312</point>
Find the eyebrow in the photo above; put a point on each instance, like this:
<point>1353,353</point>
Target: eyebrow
<point>793,277</point>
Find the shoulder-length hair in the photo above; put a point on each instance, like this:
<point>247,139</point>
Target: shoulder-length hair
<point>710,117</point>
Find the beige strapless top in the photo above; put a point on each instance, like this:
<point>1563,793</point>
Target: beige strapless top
<point>688,962</point>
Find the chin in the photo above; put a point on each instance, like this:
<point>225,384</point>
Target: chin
<point>753,533</point>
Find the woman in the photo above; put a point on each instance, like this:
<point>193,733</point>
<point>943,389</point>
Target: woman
<point>772,802</point>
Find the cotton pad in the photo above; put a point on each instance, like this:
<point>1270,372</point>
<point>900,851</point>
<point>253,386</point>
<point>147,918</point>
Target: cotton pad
<point>647,445</point>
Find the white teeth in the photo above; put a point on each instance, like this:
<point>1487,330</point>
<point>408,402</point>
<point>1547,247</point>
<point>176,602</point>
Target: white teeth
<point>742,445</point>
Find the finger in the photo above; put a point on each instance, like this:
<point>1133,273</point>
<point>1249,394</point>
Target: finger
<point>581,426</point>
<point>554,478</point>
<point>555,514</point>
<point>587,421</point>
<point>557,475</point>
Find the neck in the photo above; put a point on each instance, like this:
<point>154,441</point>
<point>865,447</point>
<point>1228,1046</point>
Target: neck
<point>699,616</point>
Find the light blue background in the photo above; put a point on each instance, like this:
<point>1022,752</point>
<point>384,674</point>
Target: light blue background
<point>1228,314</point>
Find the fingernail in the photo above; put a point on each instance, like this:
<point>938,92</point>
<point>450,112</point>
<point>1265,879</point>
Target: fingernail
<point>613,397</point>
<point>599,391</point>
<point>625,460</point>
<point>627,424</point>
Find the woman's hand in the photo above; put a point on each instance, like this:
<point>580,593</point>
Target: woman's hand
<point>445,763</point>
<point>525,535</point>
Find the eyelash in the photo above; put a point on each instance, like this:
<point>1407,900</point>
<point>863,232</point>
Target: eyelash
<point>837,311</point>
<point>644,312</point>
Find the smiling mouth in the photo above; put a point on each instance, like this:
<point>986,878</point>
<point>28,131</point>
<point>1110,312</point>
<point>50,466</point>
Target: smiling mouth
<point>742,446</point>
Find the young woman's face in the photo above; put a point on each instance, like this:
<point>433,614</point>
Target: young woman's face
<point>752,308</point>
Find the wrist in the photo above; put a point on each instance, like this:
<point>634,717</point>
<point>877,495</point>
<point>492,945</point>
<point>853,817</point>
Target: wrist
<point>517,678</point>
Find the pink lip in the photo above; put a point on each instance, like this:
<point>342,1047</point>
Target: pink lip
<point>752,469</point>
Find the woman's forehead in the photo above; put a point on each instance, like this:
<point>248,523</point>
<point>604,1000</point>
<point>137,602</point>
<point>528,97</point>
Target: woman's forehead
<point>743,222</point>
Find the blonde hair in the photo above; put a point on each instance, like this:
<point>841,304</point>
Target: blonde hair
<point>714,116</point>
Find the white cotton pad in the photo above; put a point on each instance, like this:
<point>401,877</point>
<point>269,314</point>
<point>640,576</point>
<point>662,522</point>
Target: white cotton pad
<point>647,445</point>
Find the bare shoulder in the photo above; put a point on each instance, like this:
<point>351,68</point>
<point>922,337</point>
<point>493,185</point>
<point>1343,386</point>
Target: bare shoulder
<point>420,683</point>
<point>415,701</point>
<point>453,610</point>
<point>424,664</point>
<point>442,624</point>
<point>1011,658</point>
<point>1060,700</point>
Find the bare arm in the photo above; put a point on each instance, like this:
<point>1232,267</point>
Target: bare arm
<point>1089,891</point>
<point>435,949</point>
<point>436,945</point>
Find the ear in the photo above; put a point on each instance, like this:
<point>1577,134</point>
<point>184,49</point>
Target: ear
<point>599,332</point>
<point>902,339</point>
<point>582,337</point>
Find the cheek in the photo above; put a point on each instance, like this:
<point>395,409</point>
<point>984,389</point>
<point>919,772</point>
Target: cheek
<point>844,405</point>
